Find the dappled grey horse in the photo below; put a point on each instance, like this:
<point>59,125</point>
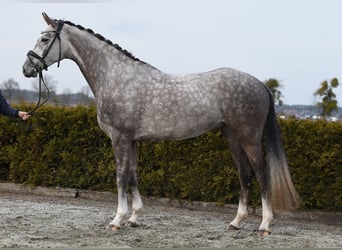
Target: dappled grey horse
<point>135,101</point>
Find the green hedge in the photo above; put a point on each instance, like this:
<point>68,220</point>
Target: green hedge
<point>57,147</point>
<point>64,147</point>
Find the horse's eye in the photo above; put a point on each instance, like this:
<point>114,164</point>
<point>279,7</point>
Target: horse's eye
<point>44,39</point>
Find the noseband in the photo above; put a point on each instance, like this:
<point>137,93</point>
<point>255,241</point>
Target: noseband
<point>31,54</point>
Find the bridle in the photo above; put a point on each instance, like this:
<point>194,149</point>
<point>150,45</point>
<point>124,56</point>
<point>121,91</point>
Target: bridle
<point>41,59</point>
<point>31,54</point>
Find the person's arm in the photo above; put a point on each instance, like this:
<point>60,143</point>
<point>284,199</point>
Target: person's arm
<point>7,110</point>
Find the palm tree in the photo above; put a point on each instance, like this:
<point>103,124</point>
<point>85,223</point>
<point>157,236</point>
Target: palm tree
<point>274,85</point>
<point>328,103</point>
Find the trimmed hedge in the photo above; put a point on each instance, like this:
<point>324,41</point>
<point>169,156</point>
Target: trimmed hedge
<point>64,147</point>
<point>57,147</point>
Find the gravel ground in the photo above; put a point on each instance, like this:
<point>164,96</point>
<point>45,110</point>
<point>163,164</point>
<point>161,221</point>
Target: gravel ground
<point>29,220</point>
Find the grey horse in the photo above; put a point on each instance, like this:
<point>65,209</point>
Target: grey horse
<point>136,101</point>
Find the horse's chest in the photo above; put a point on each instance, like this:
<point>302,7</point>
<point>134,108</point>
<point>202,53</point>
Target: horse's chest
<point>120,116</point>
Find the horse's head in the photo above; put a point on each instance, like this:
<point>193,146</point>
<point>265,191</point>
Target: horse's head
<point>47,50</point>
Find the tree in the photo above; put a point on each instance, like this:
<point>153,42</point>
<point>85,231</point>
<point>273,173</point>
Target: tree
<point>66,97</point>
<point>8,88</point>
<point>50,83</point>
<point>86,90</point>
<point>328,102</point>
<point>85,96</point>
<point>274,85</point>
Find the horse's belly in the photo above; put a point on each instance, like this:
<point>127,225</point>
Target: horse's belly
<point>178,128</point>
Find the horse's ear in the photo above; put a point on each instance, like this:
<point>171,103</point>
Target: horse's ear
<point>49,21</point>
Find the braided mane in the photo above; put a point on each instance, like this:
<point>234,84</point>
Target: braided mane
<point>100,37</point>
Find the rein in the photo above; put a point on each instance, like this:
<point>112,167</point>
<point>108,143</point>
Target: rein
<point>43,65</point>
<point>38,105</point>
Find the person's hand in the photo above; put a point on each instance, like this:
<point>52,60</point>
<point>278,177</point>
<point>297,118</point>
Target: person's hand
<point>23,115</point>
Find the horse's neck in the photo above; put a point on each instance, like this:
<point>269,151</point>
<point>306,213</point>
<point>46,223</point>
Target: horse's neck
<point>99,62</point>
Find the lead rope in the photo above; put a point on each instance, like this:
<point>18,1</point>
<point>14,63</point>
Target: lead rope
<point>38,105</point>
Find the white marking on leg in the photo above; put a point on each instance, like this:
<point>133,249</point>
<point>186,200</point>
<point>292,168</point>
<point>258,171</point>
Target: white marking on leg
<point>241,214</point>
<point>267,215</point>
<point>122,209</point>
<point>137,205</point>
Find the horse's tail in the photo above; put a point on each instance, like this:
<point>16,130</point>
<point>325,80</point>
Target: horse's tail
<point>283,193</point>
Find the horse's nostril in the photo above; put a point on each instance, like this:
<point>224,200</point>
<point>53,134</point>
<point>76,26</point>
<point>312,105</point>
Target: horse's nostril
<point>29,72</point>
<point>26,72</point>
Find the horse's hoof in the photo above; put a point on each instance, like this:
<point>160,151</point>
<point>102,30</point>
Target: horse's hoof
<point>131,224</point>
<point>113,228</point>
<point>232,228</point>
<point>264,233</point>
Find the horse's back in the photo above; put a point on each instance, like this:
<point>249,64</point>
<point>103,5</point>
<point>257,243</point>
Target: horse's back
<point>237,94</point>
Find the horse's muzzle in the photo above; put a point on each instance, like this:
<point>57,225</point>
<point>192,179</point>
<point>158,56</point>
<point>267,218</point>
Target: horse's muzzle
<point>30,73</point>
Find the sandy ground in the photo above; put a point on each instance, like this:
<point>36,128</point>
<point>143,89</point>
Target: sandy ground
<point>29,220</point>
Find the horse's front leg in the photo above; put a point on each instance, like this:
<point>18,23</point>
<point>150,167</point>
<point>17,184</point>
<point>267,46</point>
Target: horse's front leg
<point>126,168</point>
<point>122,148</point>
<point>137,204</point>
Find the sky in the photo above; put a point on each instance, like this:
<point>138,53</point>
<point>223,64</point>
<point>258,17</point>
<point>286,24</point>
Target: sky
<point>298,42</point>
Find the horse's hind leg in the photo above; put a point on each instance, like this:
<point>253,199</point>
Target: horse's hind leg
<point>245,176</point>
<point>256,160</point>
